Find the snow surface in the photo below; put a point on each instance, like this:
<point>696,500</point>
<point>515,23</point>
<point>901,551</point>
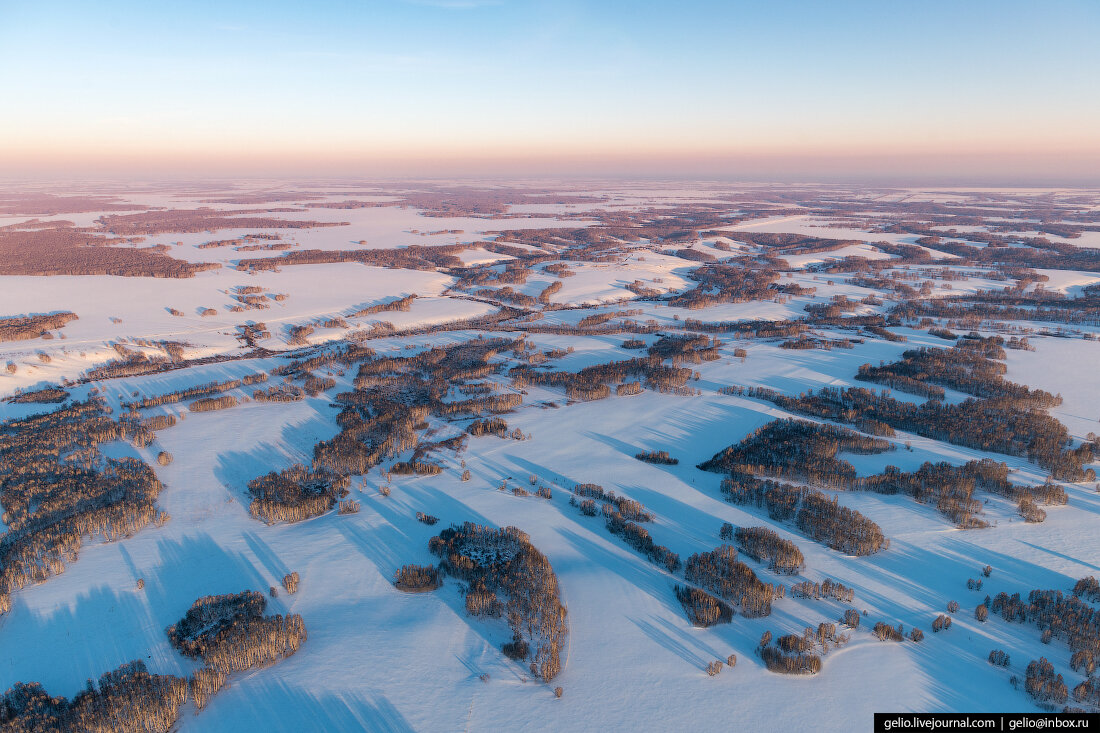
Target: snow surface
<point>379,659</point>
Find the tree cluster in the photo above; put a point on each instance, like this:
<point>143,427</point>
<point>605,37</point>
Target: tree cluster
<point>691,349</point>
<point>1087,588</point>
<point>816,515</point>
<point>490,426</point>
<point>229,633</point>
<point>996,424</point>
<point>797,450</point>
<point>1043,684</point>
<point>702,608</point>
<point>720,572</point>
<point>56,490</point>
<point>503,561</point>
<point>783,662</point>
<point>210,404</point>
<point>1064,616</point>
<point>626,508</point>
<point>295,494</point>
<point>417,578</point>
<point>659,457</point>
<point>765,545</point>
<point>128,700</point>
<point>726,283</point>
<point>973,366</point>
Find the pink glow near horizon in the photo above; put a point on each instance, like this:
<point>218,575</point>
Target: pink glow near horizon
<point>983,90</point>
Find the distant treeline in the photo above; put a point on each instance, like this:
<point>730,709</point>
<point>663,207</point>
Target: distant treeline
<point>63,251</point>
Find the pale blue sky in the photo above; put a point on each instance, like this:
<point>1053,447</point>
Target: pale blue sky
<point>672,83</point>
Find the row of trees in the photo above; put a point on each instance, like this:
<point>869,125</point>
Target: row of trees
<point>595,379</point>
<point>621,514</point>
<point>22,328</point>
<point>639,538</point>
<point>413,257</point>
<point>397,305</point>
<point>816,342</point>
<point>550,290</point>
<point>748,329</point>
<point>45,395</point>
<point>816,515</point>
<point>827,588</point>
<point>790,243</point>
<point>625,507</point>
<point>189,393</point>
<point>202,219</point>
<point>1001,424</point>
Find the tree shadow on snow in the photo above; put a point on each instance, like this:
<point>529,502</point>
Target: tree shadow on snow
<point>632,568</point>
<point>195,566</point>
<point>236,468</point>
<point>81,639</point>
<point>274,704</point>
<point>679,641</point>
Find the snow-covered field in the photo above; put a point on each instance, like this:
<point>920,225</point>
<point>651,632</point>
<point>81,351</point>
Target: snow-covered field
<point>380,659</point>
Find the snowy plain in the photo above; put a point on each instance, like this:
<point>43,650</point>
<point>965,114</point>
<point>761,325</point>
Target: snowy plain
<point>379,659</point>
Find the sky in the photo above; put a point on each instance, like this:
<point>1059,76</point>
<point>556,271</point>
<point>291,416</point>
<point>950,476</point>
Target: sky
<point>980,90</point>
